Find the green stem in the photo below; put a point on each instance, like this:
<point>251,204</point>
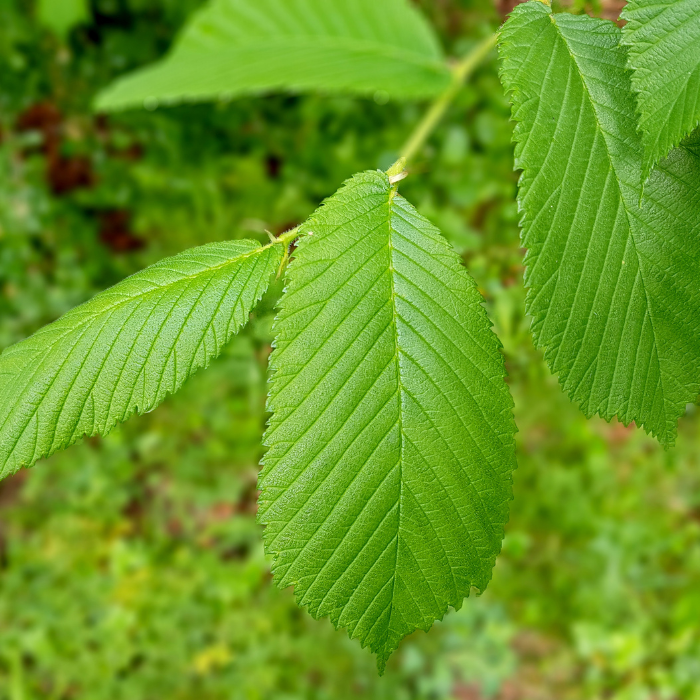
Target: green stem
<point>437,110</point>
<point>288,236</point>
<point>460,73</point>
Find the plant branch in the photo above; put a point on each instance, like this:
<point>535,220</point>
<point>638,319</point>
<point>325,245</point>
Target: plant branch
<point>437,110</point>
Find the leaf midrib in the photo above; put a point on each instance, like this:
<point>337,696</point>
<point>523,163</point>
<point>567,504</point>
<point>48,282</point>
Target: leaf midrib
<point>399,399</point>
<point>625,208</point>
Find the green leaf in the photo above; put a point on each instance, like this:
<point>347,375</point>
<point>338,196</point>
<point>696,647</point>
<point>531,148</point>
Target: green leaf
<point>237,47</point>
<point>62,15</point>
<point>388,477</point>
<point>127,348</point>
<point>611,275</point>
<point>663,37</point>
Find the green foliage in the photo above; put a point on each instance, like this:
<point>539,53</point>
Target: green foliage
<point>62,15</point>
<point>143,545</point>
<point>124,350</point>
<point>158,520</point>
<point>611,272</point>
<point>40,277</point>
<point>235,47</point>
<point>663,37</point>
<point>388,477</point>
<point>600,566</point>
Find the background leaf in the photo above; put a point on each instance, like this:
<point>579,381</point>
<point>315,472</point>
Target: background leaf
<point>388,477</point>
<point>234,47</point>
<point>612,283</point>
<point>663,37</point>
<point>124,350</point>
<point>62,15</point>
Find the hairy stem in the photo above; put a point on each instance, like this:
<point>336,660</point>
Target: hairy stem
<point>432,117</point>
<point>286,237</point>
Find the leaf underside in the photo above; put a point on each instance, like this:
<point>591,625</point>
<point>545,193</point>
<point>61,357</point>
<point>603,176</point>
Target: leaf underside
<point>126,349</point>
<point>387,481</point>
<point>663,37</point>
<point>612,276</point>
<point>235,47</point>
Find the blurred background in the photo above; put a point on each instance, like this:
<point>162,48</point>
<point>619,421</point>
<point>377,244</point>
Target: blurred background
<point>131,567</point>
